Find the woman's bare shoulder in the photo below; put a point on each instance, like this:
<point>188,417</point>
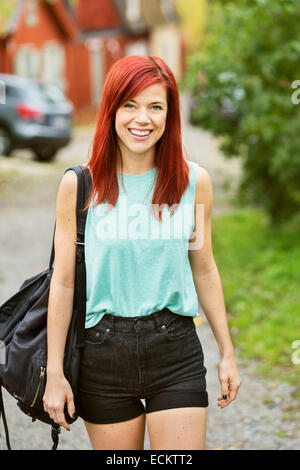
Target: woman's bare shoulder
<point>203,180</point>
<point>202,176</point>
<point>67,192</point>
<point>204,189</point>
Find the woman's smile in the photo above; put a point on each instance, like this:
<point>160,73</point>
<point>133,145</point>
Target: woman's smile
<point>140,134</point>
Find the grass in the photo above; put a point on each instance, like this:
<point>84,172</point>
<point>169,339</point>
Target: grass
<point>259,269</point>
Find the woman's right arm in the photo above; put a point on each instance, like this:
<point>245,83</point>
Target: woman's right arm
<point>60,304</point>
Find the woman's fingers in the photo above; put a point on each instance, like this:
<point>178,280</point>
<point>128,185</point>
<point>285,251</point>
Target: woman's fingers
<point>226,398</point>
<point>224,388</point>
<point>70,405</point>
<point>52,414</point>
<point>61,419</point>
<point>57,414</point>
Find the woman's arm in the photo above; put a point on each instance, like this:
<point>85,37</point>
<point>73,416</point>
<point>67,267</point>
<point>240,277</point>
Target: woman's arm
<point>60,304</point>
<point>209,288</point>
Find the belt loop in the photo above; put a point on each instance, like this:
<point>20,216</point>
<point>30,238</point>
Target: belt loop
<point>157,317</point>
<point>112,323</point>
<point>166,314</point>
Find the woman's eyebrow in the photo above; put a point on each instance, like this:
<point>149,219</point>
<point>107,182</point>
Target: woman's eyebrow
<point>153,102</point>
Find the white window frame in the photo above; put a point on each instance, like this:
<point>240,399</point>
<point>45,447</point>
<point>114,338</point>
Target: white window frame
<point>96,48</point>
<point>53,62</point>
<point>27,61</point>
<point>133,10</point>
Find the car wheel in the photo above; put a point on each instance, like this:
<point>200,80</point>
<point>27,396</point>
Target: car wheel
<point>5,142</point>
<point>44,154</point>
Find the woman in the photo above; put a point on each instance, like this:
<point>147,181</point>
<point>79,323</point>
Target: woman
<point>148,261</point>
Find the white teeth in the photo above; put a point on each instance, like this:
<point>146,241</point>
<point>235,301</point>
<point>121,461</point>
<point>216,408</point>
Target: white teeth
<point>141,133</point>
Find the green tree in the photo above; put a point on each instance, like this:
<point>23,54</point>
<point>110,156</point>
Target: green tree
<point>241,82</point>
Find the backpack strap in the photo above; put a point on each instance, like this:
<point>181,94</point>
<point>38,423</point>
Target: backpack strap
<point>2,412</point>
<point>84,182</point>
<point>52,249</point>
<point>55,431</point>
<point>83,190</point>
<point>83,175</point>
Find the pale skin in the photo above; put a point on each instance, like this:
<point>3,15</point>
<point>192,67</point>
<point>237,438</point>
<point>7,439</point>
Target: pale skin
<point>178,428</point>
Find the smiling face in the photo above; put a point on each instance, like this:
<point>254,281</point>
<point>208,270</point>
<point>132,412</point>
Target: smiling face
<point>140,122</point>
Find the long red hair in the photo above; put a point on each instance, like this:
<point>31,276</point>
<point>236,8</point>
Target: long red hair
<point>126,78</point>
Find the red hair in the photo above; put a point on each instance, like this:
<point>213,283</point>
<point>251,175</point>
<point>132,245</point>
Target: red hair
<point>126,78</point>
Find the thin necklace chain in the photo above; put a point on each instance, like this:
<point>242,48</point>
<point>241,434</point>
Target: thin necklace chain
<point>149,190</point>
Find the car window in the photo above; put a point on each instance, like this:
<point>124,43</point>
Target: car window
<point>12,91</point>
<point>53,93</point>
<point>44,93</point>
<point>36,92</point>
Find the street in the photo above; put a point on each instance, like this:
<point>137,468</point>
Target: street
<point>255,420</point>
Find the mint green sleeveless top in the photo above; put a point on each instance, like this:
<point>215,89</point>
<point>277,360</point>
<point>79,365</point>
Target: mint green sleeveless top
<point>136,265</point>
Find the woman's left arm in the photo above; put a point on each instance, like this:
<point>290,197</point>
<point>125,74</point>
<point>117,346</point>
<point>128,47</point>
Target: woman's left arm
<point>209,288</point>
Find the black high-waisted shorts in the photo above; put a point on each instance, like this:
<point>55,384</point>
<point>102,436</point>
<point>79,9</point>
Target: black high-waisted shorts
<point>158,358</point>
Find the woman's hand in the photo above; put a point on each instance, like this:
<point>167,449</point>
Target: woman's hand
<point>57,392</point>
<point>230,380</point>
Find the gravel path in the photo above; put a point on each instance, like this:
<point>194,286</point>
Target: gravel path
<point>258,419</point>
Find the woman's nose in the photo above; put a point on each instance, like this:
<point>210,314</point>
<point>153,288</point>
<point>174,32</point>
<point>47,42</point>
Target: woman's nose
<point>142,116</point>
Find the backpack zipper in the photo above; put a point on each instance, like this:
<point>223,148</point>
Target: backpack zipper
<point>42,375</point>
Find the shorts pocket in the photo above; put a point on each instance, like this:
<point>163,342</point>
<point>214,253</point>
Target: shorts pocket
<point>96,334</point>
<point>179,327</point>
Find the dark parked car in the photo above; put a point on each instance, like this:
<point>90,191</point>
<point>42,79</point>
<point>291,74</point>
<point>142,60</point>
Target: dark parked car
<point>34,115</point>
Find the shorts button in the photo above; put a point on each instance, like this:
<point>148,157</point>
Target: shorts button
<point>107,330</point>
<point>163,327</point>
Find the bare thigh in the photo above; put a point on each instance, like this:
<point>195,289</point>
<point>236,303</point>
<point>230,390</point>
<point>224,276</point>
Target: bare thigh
<point>127,435</point>
<point>177,428</point>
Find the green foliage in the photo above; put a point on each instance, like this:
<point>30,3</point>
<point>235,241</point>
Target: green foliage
<point>241,82</point>
<point>259,269</point>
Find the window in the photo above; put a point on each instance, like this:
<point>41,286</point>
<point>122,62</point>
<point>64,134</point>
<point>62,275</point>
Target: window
<point>12,92</point>
<point>53,64</point>
<point>133,10</point>
<point>96,64</point>
<point>27,62</point>
<point>52,93</point>
<point>44,93</point>
<point>31,13</point>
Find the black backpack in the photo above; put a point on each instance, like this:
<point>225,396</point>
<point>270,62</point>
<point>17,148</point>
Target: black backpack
<point>23,330</point>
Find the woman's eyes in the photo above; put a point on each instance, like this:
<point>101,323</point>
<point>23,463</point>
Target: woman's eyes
<point>155,106</point>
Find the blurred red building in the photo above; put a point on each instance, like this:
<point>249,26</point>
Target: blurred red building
<point>74,47</point>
